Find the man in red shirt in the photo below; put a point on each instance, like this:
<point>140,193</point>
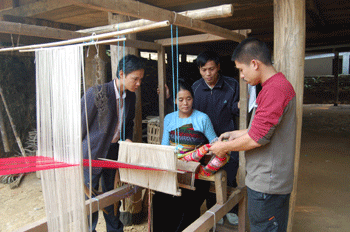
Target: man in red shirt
<point>269,140</point>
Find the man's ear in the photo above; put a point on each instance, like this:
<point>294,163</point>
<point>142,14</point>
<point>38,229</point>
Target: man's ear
<point>121,74</point>
<point>255,64</point>
<point>218,67</point>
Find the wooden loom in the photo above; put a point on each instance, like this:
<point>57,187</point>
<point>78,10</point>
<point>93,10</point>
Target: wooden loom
<point>218,34</point>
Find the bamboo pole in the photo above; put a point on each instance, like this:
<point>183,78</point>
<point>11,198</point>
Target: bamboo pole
<point>222,11</point>
<point>19,142</point>
<point>107,41</point>
<point>91,38</point>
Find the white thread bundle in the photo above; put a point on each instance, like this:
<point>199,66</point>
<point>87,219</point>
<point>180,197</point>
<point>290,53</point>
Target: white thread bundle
<point>150,155</point>
<point>58,83</point>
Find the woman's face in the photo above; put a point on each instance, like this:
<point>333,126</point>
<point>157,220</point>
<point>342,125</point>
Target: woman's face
<point>184,101</point>
<point>132,80</point>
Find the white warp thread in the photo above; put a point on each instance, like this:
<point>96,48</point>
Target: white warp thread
<point>58,82</point>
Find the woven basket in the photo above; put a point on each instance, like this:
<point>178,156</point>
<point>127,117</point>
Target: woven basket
<point>153,132</point>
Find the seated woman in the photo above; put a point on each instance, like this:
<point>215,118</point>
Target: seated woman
<point>191,131</point>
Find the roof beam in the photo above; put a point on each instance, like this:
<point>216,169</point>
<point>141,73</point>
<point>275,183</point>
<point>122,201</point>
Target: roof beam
<point>37,31</point>
<point>222,11</point>
<point>140,10</point>
<point>40,22</point>
<point>35,8</point>
<point>193,39</point>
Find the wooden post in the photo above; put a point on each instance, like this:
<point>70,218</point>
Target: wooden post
<point>161,83</point>
<point>289,54</point>
<point>4,138</point>
<point>243,224</point>
<point>336,77</point>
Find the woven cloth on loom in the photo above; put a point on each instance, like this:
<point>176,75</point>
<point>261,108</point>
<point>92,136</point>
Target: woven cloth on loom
<point>187,138</point>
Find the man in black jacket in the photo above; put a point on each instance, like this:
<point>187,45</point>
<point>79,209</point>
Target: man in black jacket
<point>218,96</point>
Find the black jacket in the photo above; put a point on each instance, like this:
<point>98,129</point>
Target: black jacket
<point>219,103</point>
<point>102,125</point>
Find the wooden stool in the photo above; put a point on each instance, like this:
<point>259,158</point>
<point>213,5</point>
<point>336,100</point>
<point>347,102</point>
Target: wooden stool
<point>220,183</point>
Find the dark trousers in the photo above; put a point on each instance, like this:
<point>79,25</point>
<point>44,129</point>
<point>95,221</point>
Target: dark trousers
<point>175,213</point>
<point>107,177</point>
<point>267,212</point>
<point>231,169</point>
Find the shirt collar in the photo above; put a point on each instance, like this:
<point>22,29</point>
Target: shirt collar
<point>218,84</point>
<point>117,95</point>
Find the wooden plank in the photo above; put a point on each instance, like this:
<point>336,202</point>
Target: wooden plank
<point>32,9</point>
<point>202,14</point>
<point>37,31</point>
<point>207,220</point>
<point>99,202</point>
<point>140,10</point>
<point>289,53</point>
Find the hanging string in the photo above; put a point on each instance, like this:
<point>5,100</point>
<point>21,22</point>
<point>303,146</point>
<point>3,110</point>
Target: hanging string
<point>124,91</point>
<point>59,135</point>
<point>88,139</point>
<point>177,75</point>
<point>174,88</point>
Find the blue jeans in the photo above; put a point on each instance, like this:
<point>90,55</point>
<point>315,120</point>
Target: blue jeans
<point>267,212</point>
<point>107,177</point>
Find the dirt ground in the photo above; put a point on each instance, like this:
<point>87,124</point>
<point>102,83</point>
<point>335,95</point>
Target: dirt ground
<point>323,195</point>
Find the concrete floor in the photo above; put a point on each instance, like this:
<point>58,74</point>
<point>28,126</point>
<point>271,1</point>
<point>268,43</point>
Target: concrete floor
<point>323,189</point>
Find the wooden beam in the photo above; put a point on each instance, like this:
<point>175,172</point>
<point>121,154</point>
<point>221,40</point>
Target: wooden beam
<point>99,202</point>
<point>37,31</point>
<point>201,38</point>
<point>89,38</point>
<point>201,14</point>
<point>206,221</point>
<point>32,9</point>
<point>40,22</point>
<point>140,10</point>
<point>289,53</point>
<point>143,45</point>
<point>161,86</point>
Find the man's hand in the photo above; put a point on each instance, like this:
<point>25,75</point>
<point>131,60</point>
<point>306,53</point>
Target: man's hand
<point>231,135</point>
<point>219,149</point>
<point>167,92</point>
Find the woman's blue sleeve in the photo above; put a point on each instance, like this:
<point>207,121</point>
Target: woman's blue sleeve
<point>166,138</point>
<point>209,129</point>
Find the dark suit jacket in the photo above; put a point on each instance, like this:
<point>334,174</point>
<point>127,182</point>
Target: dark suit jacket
<point>103,121</point>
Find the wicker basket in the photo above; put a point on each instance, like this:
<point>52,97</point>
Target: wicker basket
<point>153,131</point>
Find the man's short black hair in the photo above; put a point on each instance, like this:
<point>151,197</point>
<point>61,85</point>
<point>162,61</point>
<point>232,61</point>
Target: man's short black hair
<point>252,48</point>
<point>206,56</point>
<point>129,64</point>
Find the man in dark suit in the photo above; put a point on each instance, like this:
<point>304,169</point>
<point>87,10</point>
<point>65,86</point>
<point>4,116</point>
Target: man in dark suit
<point>107,117</point>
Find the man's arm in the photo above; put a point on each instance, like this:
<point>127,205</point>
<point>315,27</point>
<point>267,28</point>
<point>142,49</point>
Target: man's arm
<point>232,134</point>
<point>242,143</point>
